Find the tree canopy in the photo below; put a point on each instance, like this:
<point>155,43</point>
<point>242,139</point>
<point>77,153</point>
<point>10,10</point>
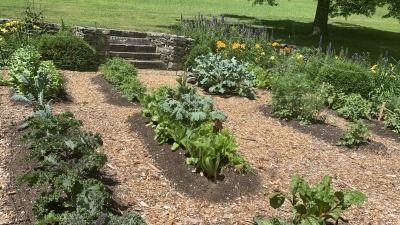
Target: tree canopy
<point>345,8</point>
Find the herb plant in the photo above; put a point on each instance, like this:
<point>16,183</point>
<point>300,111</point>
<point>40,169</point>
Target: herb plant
<point>357,134</point>
<point>293,96</point>
<point>313,204</point>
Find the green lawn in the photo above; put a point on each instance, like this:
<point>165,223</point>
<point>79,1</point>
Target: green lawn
<point>291,18</point>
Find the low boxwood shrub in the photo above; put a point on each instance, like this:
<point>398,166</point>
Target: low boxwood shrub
<point>224,76</point>
<point>69,52</point>
<point>123,75</point>
<point>295,97</point>
<point>26,64</point>
<point>198,50</point>
<point>347,77</point>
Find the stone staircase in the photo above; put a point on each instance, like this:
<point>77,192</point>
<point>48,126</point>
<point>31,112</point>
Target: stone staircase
<point>137,48</point>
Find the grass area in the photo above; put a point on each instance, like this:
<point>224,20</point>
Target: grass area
<point>291,18</point>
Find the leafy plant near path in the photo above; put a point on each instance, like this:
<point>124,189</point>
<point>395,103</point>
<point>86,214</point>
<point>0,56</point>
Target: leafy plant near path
<point>123,75</point>
<point>353,107</point>
<point>312,205</point>
<point>224,76</point>
<point>357,133</point>
<point>189,120</point>
<point>68,164</point>
<point>26,66</point>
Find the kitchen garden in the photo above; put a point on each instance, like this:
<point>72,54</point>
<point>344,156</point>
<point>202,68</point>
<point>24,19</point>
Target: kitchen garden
<point>228,60</point>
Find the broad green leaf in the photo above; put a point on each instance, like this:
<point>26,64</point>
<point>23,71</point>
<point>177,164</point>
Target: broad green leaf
<point>175,146</point>
<point>276,200</point>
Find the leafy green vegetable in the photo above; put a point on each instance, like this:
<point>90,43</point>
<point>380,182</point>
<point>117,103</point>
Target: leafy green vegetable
<point>313,204</point>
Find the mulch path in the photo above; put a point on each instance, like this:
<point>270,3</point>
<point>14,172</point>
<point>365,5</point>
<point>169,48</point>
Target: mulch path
<point>154,181</point>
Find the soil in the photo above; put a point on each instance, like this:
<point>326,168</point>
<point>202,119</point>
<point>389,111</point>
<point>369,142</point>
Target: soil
<point>154,181</point>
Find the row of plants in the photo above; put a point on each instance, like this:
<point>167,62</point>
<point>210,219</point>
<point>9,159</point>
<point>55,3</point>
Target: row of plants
<point>67,159</point>
<point>181,117</point>
<point>65,49</point>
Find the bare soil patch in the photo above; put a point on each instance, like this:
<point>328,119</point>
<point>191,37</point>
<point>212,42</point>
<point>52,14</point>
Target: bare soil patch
<point>275,151</point>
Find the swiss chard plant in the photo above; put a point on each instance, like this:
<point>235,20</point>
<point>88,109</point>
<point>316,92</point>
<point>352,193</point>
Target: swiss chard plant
<point>312,205</point>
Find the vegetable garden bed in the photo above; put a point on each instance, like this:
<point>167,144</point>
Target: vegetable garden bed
<point>274,151</point>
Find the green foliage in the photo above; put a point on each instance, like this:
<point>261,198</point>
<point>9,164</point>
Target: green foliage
<point>347,77</point>
<point>357,134</point>
<point>26,68</point>
<point>353,107</point>
<point>224,76</point>
<point>189,120</point>
<point>68,164</point>
<point>261,76</point>
<point>68,52</point>
<point>313,204</point>
<point>293,96</point>
<point>211,151</point>
<point>123,74</point>
<point>392,115</point>
<point>197,50</point>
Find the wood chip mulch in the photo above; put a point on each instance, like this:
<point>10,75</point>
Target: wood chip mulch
<point>275,149</point>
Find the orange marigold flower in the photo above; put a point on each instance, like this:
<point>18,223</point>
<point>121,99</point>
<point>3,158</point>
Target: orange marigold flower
<point>287,50</point>
<point>235,45</point>
<point>276,44</point>
<point>220,44</point>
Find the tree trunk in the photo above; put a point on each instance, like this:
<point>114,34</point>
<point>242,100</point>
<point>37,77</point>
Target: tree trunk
<point>320,26</point>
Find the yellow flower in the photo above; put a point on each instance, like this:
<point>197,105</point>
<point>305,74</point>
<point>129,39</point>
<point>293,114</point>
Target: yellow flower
<point>272,58</point>
<point>262,53</point>
<point>8,24</point>
<point>276,44</point>
<point>37,28</point>
<point>286,50</point>
<point>299,56</point>
<point>235,45</point>
<point>243,46</point>
<point>3,30</point>
<point>373,68</point>
<point>258,45</point>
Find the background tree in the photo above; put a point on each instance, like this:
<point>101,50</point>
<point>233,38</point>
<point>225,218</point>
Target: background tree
<point>345,8</point>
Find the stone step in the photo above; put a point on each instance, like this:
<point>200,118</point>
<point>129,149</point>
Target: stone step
<point>149,64</point>
<point>133,48</point>
<point>124,33</point>
<point>137,55</point>
<point>129,40</point>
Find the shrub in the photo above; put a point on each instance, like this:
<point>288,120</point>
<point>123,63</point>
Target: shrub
<point>198,50</point>
<point>347,77</point>
<point>224,76</point>
<point>353,107</point>
<point>68,52</point>
<point>123,74</point>
<point>357,133</point>
<point>293,96</point>
<point>25,63</point>
<point>392,118</point>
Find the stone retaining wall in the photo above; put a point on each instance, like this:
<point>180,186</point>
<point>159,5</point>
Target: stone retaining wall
<point>173,48</point>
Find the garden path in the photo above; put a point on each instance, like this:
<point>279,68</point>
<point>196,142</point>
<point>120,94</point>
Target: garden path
<point>276,151</point>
